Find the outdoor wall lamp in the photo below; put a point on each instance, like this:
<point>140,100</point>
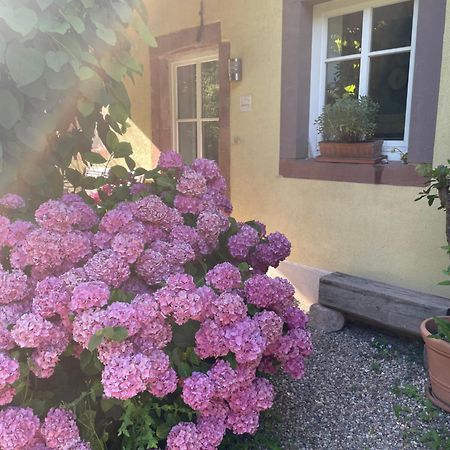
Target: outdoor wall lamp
<point>235,69</point>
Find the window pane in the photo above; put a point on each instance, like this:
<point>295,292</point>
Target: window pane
<point>187,141</point>
<point>342,78</point>
<point>344,35</point>
<point>389,87</point>
<point>186,92</point>
<point>210,89</point>
<point>211,140</point>
<point>392,26</point>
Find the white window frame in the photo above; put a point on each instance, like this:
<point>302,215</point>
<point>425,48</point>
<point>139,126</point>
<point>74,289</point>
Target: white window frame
<point>321,14</point>
<point>196,58</point>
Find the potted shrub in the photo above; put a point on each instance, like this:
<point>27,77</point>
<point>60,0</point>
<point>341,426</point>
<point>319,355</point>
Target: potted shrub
<point>436,331</point>
<point>436,335</point>
<point>347,128</point>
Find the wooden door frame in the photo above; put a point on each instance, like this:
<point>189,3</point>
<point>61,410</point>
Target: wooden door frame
<point>170,46</point>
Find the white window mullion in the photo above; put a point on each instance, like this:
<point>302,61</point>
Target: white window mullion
<point>411,72</point>
<point>366,43</point>
<point>198,77</point>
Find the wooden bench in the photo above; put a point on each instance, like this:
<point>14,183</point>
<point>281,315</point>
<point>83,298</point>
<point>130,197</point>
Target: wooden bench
<point>380,304</point>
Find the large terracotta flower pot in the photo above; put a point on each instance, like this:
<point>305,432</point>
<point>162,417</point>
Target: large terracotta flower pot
<point>438,356</point>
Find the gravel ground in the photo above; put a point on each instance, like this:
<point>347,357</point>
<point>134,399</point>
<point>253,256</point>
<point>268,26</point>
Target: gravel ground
<point>363,390</point>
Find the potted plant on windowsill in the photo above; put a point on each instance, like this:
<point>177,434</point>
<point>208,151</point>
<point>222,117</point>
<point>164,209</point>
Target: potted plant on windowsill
<point>347,128</point>
<point>436,331</point>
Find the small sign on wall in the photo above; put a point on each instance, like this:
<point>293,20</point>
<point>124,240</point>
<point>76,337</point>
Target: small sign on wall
<point>245,103</point>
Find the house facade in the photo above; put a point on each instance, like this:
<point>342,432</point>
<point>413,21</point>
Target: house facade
<point>359,219</point>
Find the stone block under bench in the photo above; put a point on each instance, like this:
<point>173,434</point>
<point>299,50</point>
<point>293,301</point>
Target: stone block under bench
<point>380,304</point>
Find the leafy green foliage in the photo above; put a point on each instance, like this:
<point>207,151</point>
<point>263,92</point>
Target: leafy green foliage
<point>61,63</point>
<point>117,334</point>
<point>349,119</point>
<point>443,329</point>
<point>437,184</point>
<point>146,420</point>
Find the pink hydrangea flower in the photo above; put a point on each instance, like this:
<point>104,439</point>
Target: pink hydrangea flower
<point>12,201</point>
<point>240,423</point>
<point>165,384</point>
<point>224,277</point>
<point>109,267</point>
<point>92,294</point>
<point>117,219</point>
<point>87,324</point>
<point>210,340</point>
<point>128,245</point>
<point>184,436</point>
<point>60,429</point>
<point>13,286</point>
<point>191,183</point>
<point>240,244</point>
<point>223,377</point>
<point>170,160</point>
<point>51,297</point>
<point>54,215</point>
<point>18,427</point>
<point>122,378</point>
<point>228,308</point>
<point>9,370</point>
<point>245,339</point>
<point>271,325</point>
<point>198,390</point>
<point>32,331</point>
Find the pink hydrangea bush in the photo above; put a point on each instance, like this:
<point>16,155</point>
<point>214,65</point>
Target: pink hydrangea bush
<point>148,297</point>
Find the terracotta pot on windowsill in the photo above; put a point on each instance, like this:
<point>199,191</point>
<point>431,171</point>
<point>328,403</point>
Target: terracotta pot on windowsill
<point>368,152</point>
<point>438,359</point>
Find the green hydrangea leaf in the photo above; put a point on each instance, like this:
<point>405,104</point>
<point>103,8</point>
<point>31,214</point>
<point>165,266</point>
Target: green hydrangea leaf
<point>123,150</point>
<point>95,341</point>
<point>94,158</point>
<point>119,172</point>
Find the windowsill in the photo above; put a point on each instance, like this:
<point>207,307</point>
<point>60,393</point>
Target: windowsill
<point>394,173</point>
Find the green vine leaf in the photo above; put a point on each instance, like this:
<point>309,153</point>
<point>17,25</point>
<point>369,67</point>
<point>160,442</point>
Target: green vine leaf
<point>144,32</point>
<point>107,35</point>
<point>85,107</point>
<point>10,109</point>
<point>25,64</point>
<point>55,60</point>
<point>21,20</point>
<point>44,4</point>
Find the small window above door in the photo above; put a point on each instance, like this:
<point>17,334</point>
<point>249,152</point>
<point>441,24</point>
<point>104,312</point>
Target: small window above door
<point>195,106</point>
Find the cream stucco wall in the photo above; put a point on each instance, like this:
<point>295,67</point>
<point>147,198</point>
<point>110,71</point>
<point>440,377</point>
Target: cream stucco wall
<point>372,231</point>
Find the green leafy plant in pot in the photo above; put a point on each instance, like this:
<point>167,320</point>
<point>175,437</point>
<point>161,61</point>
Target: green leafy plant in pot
<point>435,331</point>
<point>347,128</point>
